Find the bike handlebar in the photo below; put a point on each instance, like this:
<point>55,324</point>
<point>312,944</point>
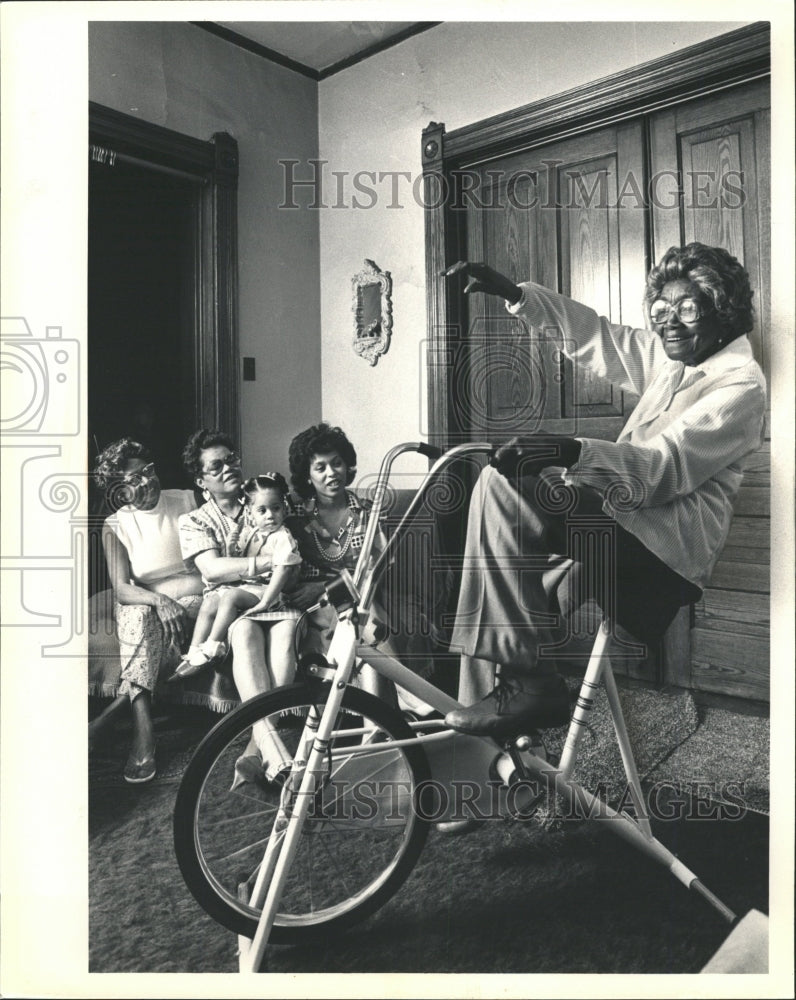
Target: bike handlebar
<point>430,451</point>
<point>365,581</point>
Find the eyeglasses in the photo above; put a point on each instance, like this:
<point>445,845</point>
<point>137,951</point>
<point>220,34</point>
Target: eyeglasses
<point>142,476</point>
<point>231,461</point>
<point>686,310</point>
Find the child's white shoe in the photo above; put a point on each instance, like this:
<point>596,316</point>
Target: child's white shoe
<point>213,650</point>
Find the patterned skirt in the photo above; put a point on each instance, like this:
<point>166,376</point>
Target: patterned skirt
<point>128,654</point>
<point>143,649</point>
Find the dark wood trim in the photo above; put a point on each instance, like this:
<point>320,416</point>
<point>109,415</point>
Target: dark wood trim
<point>729,60</point>
<point>256,48</point>
<point>226,374</point>
<point>153,143</point>
<point>738,57</point>
<point>235,38</point>
<point>214,165</point>
<point>437,302</point>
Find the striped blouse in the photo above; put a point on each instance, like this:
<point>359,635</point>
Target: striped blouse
<point>208,527</point>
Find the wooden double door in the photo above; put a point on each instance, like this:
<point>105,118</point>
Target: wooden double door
<point>587,216</point>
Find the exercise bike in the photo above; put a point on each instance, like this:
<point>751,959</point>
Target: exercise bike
<point>292,862</point>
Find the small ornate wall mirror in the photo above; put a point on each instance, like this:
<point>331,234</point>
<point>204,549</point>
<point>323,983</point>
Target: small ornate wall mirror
<point>372,307</point>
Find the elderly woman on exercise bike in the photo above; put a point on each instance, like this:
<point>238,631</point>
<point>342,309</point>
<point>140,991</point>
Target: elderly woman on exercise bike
<point>663,491</point>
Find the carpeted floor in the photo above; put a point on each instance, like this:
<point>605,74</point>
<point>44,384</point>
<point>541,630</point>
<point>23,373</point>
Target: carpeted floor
<point>507,898</point>
<point>727,756</point>
<point>657,723</point>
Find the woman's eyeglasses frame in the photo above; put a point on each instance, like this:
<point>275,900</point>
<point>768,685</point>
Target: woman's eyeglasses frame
<point>142,476</point>
<point>231,461</point>
<point>664,310</point>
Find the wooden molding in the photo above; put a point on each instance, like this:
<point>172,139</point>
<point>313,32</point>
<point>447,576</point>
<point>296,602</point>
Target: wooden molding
<point>738,57</point>
<point>729,60</point>
<point>214,165</point>
<point>154,143</point>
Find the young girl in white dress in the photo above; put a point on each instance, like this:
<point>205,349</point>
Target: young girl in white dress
<point>260,536</point>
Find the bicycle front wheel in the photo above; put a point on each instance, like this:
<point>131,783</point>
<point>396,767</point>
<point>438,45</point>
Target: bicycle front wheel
<point>363,833</point>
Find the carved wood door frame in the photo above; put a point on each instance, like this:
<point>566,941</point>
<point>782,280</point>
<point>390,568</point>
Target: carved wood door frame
<point>718,64</point>
<point>213,165</point>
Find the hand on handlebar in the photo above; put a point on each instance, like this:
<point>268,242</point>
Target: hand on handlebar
<point>483,278</point>
<point>528,456</point>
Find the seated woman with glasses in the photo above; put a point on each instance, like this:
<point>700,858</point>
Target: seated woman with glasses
<point>662,493</point>
<point>263,657</point>
<point>155,596</point>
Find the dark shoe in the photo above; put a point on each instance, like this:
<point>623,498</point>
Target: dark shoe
<point>199,658</point>
<point>137,772</point>
<point>185,670</point>
<point>543,703</point>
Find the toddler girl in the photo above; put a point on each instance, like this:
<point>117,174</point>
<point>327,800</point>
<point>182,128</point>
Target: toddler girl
<point>271,550</point>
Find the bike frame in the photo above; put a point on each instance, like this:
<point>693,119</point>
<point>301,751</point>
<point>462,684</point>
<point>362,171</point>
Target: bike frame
<point>345,648</point>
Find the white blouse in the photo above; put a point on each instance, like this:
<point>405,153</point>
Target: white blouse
<point>672,475</point>
<point>151,536</point>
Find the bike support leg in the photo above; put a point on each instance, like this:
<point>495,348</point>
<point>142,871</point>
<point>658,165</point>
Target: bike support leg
<point>587,806</point>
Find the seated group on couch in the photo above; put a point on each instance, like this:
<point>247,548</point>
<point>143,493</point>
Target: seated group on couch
<point>191,583</point>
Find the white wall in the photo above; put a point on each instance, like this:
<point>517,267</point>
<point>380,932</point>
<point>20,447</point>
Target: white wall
<point>296,265</point>
<point>179,76</point>
<point>370,118</point>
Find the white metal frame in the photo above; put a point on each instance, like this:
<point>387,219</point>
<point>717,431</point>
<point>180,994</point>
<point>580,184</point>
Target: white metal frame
<point>341,657</point>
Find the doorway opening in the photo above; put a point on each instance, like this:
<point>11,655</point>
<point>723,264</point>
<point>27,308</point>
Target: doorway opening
<point>162,294</point>
<point>141,313</point>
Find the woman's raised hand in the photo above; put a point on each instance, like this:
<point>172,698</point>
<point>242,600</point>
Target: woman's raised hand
<point>483,278</point>
<point>173,616</point>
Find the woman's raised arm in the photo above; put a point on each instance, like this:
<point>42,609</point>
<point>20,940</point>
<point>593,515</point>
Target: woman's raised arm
<point>483,278</point>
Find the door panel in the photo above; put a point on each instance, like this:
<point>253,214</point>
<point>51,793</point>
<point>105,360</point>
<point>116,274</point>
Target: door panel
<point>715,153</point>
<point>558,217</point>
<point>590,271</point>
<point>710,161</point>
<point>569,216</point>
<point>503,366</point>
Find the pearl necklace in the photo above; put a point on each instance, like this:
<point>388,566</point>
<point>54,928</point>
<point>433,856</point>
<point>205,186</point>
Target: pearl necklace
<point>228,521</point>
<point>343,546</point>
